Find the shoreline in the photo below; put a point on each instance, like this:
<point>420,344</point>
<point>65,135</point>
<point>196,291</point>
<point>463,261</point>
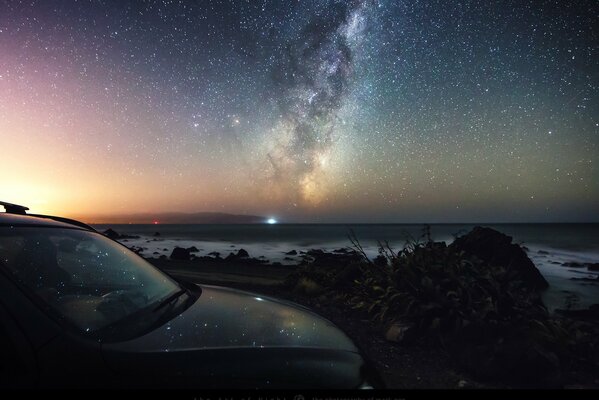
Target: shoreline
<point>567,271</point>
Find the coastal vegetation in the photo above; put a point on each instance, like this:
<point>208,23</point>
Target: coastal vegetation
<point>478,299</point>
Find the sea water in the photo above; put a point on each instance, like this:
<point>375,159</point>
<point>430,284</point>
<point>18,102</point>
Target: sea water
<point>549,246</point>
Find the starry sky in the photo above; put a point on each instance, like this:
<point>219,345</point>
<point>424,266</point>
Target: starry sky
<point>305,111</point>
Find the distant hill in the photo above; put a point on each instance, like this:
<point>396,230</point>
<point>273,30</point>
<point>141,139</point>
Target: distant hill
<point>177,218</point>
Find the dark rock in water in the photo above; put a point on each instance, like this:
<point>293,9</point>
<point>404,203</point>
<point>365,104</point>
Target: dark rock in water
<point>288,259</point>
<point>156,233</point>
<point>242,253</point>
<point>179,253</point>
<point>542,252</point>
<point>593,267</point>
<point>214,254</point>
<point>156,252</point>
<point>556,262</point>
<point>291,253</point>
<point>591,280</point>
<point>193,249</point>
<point>341,250</point>
<point>137,250</point>
<point>162,257</point>
<point>112,234</point>
<point>498,250</point>
<point>165,249</point>
<point>573,265</point>
<point>315,252</point>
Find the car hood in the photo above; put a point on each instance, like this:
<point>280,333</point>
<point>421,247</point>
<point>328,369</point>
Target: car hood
<point>226,318</point>
<point>230,338</point>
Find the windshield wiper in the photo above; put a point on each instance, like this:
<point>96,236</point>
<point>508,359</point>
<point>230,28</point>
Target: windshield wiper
<point>170,298</point>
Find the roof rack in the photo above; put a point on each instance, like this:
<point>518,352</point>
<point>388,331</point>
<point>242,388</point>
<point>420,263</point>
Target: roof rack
<point>13,208</point>
<point>18,209</point>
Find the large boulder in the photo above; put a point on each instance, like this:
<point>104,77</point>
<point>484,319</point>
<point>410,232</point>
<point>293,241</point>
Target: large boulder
<point>179,253</point>
<point>111,233</point>
<point>497,249</point>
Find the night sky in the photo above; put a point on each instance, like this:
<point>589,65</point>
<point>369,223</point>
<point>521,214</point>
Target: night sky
<point>363,111</point>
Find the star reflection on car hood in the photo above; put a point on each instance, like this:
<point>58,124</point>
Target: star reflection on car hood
<point>227,318</point>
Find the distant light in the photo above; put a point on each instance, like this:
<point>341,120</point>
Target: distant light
<point>259,298</point>
<point>155,222</point>
<point>271,221</point>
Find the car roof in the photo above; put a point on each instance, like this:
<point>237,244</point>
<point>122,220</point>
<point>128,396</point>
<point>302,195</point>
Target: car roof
<point>33,220</point>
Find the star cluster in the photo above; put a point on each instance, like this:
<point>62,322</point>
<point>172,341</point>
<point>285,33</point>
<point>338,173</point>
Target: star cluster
<point>316,110</point>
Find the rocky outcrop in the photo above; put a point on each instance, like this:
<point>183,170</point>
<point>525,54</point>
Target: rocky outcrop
<point>179,253</point>
<point>497,249</point>
<point>112,234</point>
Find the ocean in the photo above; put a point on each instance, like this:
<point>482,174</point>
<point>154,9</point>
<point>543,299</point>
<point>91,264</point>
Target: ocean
<point>550,246</point>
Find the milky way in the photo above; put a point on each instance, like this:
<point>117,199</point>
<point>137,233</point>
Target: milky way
<point>313,77</point>
<point>315,110</point>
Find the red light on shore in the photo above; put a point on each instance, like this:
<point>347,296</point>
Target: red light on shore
<point>155,222</point>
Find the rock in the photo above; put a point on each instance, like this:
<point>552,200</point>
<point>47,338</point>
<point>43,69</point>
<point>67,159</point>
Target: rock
<point>341,250</point>
<point>156,233</point>
<point>112,234</point>
<point>573,265</point>
<point>179,253</point>
<point>291,253</point>
<point>214,254</point>
<point>162,257</point>
<point>543,252</point>
<point>193,249</point>
<point>526,249</point>
<point>288,259</point>
<point>497,249</point>
<point>156,252</point>
<point>593,267</point>
<point>165,249</point>
<point>240,254</point>
<point>398,332</point>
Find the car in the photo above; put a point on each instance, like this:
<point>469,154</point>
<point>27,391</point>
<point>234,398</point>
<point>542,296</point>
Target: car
<point>78,309</point>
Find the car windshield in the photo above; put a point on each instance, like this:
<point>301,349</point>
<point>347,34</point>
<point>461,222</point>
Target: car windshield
<point>88,279</point>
